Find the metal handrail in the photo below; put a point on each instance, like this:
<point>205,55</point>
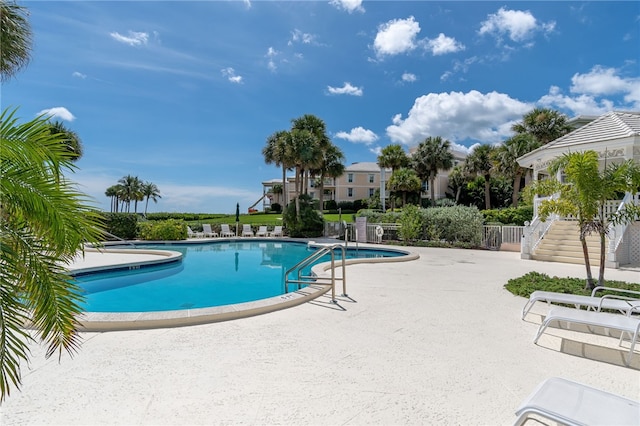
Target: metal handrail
<point>304,279</point>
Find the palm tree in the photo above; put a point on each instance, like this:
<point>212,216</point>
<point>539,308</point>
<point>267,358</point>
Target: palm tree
<point>393,157</point>
<point>584,193</point>
<point>276,151</point>
<point>331,166</point>
<point>405,181</point>
<point>506,156</point>
<point>71,139</point>
<point>15,39</point>
<point>433,154</point>
<point>44,223</point>
<point>543,123</point>
<point>305,154</point>
<point>150,191</point>
<point>113,192</point>
<point>131,190</point>
<point>480,162</point>
<point>457,180</point>
<point>319,143</point>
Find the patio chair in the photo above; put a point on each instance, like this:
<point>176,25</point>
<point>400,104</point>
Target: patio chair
<point>609,301</point>
<point>208,232</point>
<point>570,403</point>
<point>247,231</point>
<point>262,232</point>
<point>225,231</point>
<point>192,234</point>
<point>277,231</point>
<point>625,324</point>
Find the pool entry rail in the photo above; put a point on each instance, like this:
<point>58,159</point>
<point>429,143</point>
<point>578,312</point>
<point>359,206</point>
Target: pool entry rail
<point>314,279</point>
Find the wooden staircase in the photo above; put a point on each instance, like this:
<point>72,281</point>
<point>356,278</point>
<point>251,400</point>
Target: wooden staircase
<point>562,244</point>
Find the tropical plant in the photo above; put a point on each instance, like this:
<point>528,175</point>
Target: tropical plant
<point>433,154</point>
<point>544,124</point>
<point>16,39</point>
<point>150,191</point>
<point>331,165</point>
<point>306,223</point>
<point>457,181</point>
<point>393,157</point>
<point>411,223</point>
<point>130,190</point>
<point>480,161</point>
<point>44,223</point>
<point>584,193</point>
<point>72,141</point>
<point>404,181</point>
<point>276,151</point>
<point>506,156</point>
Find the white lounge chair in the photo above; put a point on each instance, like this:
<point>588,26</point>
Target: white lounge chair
<point>277,231</point>
<point>192,234</point>
<point>247,231</point>
<point>208,232</point>
<point>262,232</point>
<point>225,231</point>
<point>609,301</point>
<point>625,324</point>
<point>572,403</point>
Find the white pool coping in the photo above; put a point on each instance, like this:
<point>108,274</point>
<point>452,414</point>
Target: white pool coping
<point>109,259</point>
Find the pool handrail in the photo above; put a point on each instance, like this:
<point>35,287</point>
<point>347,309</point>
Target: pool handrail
<point>304,279</point>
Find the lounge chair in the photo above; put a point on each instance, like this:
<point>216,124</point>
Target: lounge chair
<point>225,231</point>
<point>262,232</point>
<point>247,231</point>
<point>614,302</point>
<point>624,324</point>
<point>192,234</point>
<point>570,403</point>
<point>277,231</point>
<point>208,232</point>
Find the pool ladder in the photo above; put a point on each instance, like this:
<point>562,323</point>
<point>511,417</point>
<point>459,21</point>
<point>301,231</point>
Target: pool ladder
<point>313,279</point>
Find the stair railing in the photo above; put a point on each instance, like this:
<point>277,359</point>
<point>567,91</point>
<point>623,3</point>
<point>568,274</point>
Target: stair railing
<point>616,232</point>
<point>535,230</point>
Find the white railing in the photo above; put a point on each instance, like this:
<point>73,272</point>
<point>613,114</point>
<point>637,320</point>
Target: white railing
<point>537,229</point>
<point>389,232</point>
<point>616,232</point>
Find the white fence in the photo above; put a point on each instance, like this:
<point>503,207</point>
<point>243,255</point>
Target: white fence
<point>496,236</point>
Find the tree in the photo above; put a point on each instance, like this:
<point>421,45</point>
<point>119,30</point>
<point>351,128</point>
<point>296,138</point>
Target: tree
<point>584,193</point>
<point>72,141</point>
<point>16,39</point>
<point>276,151</point>
<point>113,192</point>
<point>150,191</point>
<point>44,223</point>
<point>544,124</point>
<point>405,181</point>
<point>130,190</point>
<point>457,181</point>
<point>506,156</point>
<point>393,157</point>
<point>331,165</point>
<point>433,154</point>
<point>480,162</point>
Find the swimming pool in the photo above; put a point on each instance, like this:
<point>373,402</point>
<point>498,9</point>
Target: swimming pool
<point>210,274</point>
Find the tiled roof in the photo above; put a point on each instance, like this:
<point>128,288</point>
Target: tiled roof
<point>613,125</point>
<point>363,167</point>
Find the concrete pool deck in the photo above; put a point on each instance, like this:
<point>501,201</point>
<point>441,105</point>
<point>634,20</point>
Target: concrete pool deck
<point>432,341</point>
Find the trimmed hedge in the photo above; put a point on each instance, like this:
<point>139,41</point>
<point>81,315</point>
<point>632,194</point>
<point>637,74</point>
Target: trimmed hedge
<point>122,225</point>
<point>509,216</point>
<point>164,230</point>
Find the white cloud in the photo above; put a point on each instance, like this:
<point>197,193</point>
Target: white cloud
<point>271,54</point>
<point>298,36</point>
<point>396,36</point>
<point>133,39</point>
<point>443,44</point>
<point>346,89</point>
<point>348,5</point>
<point>58,112</point>
<point>78,75</point>
<point>358,135</point>
<point>600,81</point>
<point>409,78</point>
<point>230,74</point>
<point>486,117</point>
<point>518,25</point>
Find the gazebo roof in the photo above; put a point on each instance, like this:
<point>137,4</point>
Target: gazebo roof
<point>615,126</point>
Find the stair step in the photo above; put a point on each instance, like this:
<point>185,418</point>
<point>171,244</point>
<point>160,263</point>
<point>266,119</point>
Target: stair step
<point>562,244</point>
<point>565,259</point>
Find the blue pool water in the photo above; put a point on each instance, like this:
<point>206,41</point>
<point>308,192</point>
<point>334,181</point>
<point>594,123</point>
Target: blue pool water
<point>210,274</point>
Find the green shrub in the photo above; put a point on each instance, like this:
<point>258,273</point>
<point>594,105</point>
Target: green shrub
<point>376,216</point>
<point>533,281</point>
<point>164,230</point>
<point>411,223</point>
<point>346,205</point>
<point>331,205</point>
<point>311,223</point>
<point>122,225</point>
<point>509,216</point>
<point>455,224</point>
<point>276,207</point>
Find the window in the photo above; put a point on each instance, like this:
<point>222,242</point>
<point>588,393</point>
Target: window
<point>312,194</point>
<point>349,192</point>
<point>312,183</point>
<point>350,177</point>
<point>371,178</point>
<point>371,192</point>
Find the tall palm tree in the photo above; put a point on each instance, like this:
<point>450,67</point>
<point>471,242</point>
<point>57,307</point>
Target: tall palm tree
<point>319,143</point>
<point>276,151</point>
<point>543,123</point>
<point>130,191</point>
<point>71,139</point>
<point>113,193</point>
<point>506,156</point>
<point>394,157</point>
<point>150,191</point>
<point>433,154</point>
<point>305,154</point>
<point>405,181</point>
<point>457,179</point>
<point>331,166</point>
<point>480,161</point>
<point>44,223</point>
<point>16,39</point>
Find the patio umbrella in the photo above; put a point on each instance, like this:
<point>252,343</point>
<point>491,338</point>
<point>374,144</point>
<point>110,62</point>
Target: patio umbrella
<point>237,217</point>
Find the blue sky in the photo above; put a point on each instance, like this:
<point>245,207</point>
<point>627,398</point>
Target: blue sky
<point>184,94</point>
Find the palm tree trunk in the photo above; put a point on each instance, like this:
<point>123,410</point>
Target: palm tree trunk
<point>432,183</point>
<point>321,195</point>
<point>145,206</point>
<point>602,258</point>
<point>487,192</point>
<point>284,187</point>
<point>585,251</point>
<point>516,189</point>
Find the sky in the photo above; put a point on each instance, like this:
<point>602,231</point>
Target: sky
<point>185,94</point>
